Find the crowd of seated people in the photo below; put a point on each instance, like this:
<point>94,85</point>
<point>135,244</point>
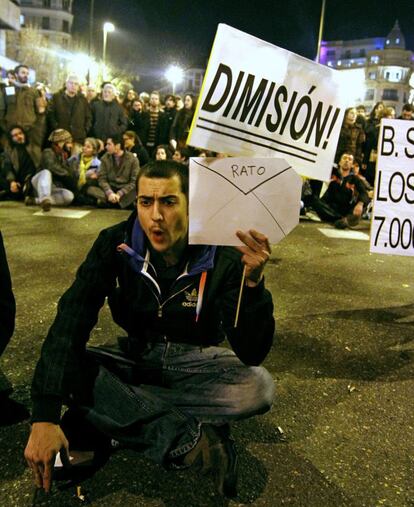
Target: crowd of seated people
<point>83,146</point>
<point>347,198</point>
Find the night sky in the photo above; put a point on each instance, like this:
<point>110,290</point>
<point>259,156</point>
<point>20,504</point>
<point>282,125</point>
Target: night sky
<point>156,33</point>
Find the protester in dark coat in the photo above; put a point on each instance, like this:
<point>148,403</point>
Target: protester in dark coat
<point>70,110</point>
<point>182,123</point>
<point>108,116</point>
<point>139,120</point>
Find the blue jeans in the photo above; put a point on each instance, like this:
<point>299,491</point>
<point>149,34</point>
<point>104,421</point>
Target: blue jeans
<point>45,189</point>
<point>174,389</point>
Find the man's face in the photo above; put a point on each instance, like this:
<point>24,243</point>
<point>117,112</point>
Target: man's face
<point>346,162</point>
<point>407,115</point>
<point>90,93</point>
<point>18,136</point>
<point>110,146</point>
<point>72,87</point>
<point>169,103</point>
<point>163,213</point>
<point>23,75</point>
<point>154,100</point>
<point>108,94</point>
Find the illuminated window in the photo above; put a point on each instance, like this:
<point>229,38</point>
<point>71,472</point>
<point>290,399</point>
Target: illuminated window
<point>372,75</point>
<point>397,40</point>
<point>374,59</point>
<point>387,42</point>
<point>390,94</point>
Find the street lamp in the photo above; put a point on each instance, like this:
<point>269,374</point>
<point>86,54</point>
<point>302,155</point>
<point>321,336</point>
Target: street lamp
<point>107,27</point>
<point>175,75</point>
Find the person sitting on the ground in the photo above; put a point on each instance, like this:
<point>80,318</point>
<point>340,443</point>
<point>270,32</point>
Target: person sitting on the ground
<point>117,175</point>
<point>162,152</point>
<point>55,183</point>
<point>17,166</point>
<point>11,412</point>
<point>85,166</point>
<point>346,197</point>
<point>133,144</point>
<point>169,390</point>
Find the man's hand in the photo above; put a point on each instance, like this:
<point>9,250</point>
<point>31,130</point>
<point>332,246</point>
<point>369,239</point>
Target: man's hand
<point>113,198</point>
<point>359,208</point>
<point>45,441</point>
<point>255,255</point>
<point>14,187</point>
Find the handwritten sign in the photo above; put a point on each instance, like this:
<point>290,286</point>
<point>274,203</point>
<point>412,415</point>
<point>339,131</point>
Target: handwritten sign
<point>392,226</point>
<point>261,100</point>
<point>233,194</point>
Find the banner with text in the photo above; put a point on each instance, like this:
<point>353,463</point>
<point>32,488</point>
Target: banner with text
<point>392,226</point>
<point>260,100</point>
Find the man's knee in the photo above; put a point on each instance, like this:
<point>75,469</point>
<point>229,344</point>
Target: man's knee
<point>255,393</point>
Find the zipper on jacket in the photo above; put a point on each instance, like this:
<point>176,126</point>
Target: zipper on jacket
<point>161,305</point>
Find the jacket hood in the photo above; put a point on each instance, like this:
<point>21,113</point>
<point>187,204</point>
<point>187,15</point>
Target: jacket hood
<point>201,257</point>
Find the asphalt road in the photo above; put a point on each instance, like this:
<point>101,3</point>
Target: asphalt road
<point>343,364</point>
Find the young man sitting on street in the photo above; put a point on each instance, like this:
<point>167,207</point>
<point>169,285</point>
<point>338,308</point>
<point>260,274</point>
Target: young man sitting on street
<point>346,198</point>
<point>169,390</point>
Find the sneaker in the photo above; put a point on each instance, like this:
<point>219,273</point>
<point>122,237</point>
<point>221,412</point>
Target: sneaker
<point>46,204</point>
<point>29,201</point>
<point>217,455</point>
<point>341,223</point>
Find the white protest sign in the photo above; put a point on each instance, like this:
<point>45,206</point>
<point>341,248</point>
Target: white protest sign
<point>261,100</point>
<point>392,226</point>
<point>233,194</point>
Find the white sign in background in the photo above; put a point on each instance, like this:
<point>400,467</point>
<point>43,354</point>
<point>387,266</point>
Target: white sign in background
<point>260,100</point>
<point>392,225</point>
<point>233,194</point>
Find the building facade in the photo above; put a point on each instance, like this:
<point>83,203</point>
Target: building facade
<point>193,79</point>
<point>383,64</point>
<point>54,18</point>
<point>9,20</point>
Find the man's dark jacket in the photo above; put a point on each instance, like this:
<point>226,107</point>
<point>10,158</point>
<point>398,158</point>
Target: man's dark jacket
<point>73,115</point>
<point>116,268</point>
<point>108,119</point>
<point>7,302</point>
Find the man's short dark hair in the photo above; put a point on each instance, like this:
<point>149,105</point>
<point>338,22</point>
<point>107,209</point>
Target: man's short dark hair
<point>21,66</point>
<point>117,139</point>
<point>165,169</point>
<point>170,97</point>
<point>407,107</point>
